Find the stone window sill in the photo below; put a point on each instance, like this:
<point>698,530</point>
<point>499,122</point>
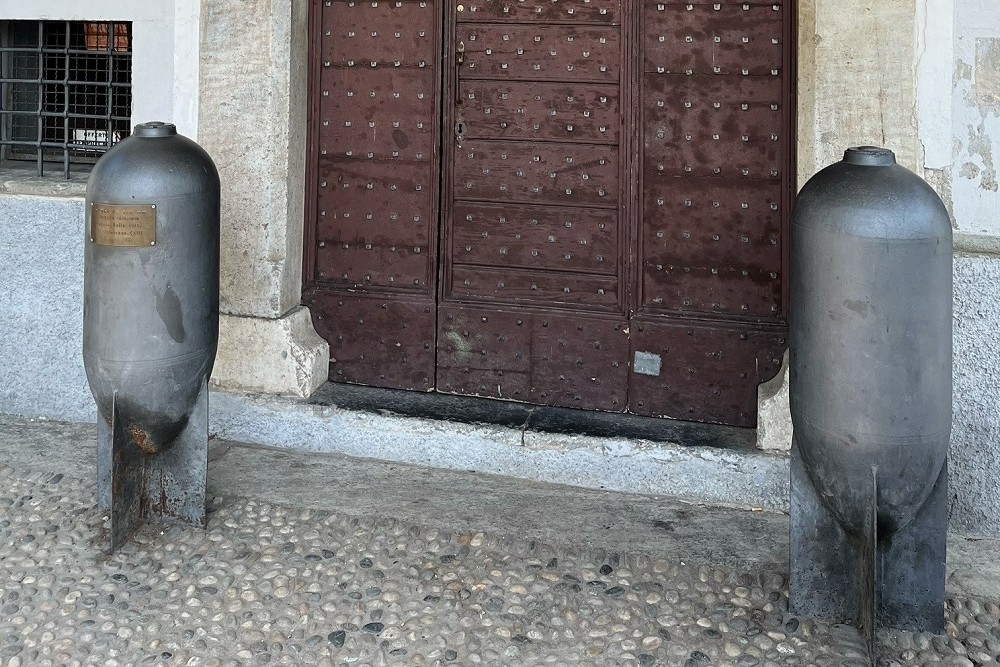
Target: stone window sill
<point>20,178</point>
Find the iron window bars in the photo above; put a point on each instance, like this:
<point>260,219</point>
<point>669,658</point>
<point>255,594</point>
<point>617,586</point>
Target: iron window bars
<point>65,90</point>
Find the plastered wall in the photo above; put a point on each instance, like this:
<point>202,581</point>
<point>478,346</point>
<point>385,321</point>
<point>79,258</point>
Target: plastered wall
<point>975,194</point>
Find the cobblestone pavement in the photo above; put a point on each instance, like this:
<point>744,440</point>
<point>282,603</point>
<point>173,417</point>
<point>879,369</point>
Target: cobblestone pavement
<point>270,583</point>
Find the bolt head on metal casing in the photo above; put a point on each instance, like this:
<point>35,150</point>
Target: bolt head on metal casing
<point>870,336</point>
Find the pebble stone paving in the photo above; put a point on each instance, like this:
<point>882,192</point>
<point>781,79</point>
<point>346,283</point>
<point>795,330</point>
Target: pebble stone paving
<point>273,585</point>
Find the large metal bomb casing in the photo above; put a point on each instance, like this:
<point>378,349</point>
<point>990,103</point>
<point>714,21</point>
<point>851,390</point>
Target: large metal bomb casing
<point>870,335</point>
<point>151,281</point>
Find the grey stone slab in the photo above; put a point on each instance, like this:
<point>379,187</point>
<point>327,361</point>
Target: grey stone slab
<point>974,458</point>
<point>553,514</point>
<point>743,478</point>
<point>41,302</point>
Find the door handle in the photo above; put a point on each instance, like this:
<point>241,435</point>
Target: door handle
<point>459,60</point>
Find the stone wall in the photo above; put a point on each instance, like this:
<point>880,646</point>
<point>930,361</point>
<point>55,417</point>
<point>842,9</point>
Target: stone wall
<point>41,302</point>
<point>975,438</point>
<point>856,80</point>
<point>974,198</point>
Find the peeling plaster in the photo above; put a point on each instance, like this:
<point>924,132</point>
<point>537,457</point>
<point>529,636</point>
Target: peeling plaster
<point>969,170</point>
<point>980,144</point>
<point>976,119</point>
<point>963,71</point>
<point>987,84</point>
<point>934,23</point>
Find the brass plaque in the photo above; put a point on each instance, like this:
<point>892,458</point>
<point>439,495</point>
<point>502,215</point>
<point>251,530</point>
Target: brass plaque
<point>130,225</point>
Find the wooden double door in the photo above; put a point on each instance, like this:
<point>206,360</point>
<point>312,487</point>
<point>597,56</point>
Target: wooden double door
<point>579,203</point>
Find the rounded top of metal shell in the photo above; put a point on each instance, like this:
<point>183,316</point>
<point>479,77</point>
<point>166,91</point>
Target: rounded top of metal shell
<point>155,128</point>
<point>870,156</point>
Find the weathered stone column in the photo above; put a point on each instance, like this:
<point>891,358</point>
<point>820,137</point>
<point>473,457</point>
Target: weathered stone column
<point>857,80</point>
<point>252,119</point>
<point>857,84</point>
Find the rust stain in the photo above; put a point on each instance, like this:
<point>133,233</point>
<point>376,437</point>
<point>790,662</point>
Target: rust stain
<point>142,439</point>
<point>163,497</point>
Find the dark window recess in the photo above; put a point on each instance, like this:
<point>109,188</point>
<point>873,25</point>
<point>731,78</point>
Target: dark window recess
<point>66,90</point>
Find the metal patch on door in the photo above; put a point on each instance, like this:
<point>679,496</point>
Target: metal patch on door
<point>125,225</point>
<point>646,363</point>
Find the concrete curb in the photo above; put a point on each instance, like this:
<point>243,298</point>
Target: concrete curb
<point>738,478</point>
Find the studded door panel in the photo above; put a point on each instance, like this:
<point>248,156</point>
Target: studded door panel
<point>381,131</point>
<point>573,271</point>
<point>711,247</point>
<point>549,358</point>
<point>542,52</point>
<point>375,202</point>
<point>572,174</point>
<point>715,183</point>
<point>726,127</point>
<point>722,38</point>
<point>378,134</point>
<point>521,110</point>
<point>377,33</point>
<point>382,342</point>
<point>576,12</point>
<point>546,288</point>
<point>713,158</point>
<point>568,238</point>
<point>534,273</point>
<point>701,371</point>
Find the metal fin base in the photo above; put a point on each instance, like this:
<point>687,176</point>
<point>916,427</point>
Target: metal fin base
<point>872,581</point>
<point>167,487</point>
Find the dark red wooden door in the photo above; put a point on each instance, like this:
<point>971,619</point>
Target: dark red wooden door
<point>615,180</point>
<point>371,259</point>
<point>716,187</point>
<point>534,287</point>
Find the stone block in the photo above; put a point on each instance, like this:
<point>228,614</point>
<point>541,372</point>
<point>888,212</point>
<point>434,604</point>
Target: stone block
<point>774,420</point>
<point>275,356</point>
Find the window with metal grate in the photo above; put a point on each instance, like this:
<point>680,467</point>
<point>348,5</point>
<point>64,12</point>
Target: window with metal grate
<point>65,90</point>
